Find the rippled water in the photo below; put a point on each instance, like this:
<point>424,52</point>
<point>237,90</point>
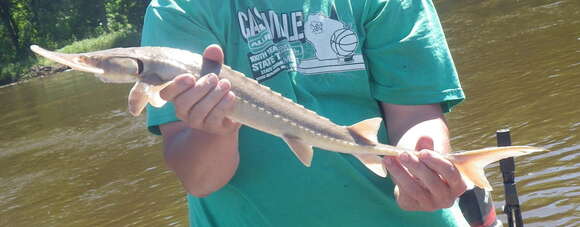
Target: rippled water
<point>70,155</point>
<point>519,63</point>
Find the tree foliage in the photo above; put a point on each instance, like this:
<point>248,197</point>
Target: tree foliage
<point>56,23</point>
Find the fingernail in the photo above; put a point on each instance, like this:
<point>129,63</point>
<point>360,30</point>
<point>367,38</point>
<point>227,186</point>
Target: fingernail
<point>212,79</point>
<point>220,84</point>
<point>186,80</point>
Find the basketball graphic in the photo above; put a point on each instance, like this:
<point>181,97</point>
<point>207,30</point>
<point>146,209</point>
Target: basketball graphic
<point>343,42</point>
<point>331,46</point>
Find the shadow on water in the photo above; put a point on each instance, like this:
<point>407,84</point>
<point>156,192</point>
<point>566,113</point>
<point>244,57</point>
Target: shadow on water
<point>71,155</point>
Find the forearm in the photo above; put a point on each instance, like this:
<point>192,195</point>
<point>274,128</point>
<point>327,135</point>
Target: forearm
<point>203,162</point>
<point>426,181</point>
<point>408,124</point>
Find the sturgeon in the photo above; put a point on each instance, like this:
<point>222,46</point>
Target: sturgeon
<point>257,106</point>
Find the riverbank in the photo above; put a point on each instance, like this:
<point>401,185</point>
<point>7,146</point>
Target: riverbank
<point>36,67</point>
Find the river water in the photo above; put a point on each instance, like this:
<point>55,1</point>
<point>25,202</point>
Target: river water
<point>71,155</point>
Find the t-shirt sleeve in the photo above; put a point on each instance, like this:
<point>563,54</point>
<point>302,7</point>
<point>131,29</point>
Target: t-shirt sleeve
<point>171,24</point>
<point>407,55</point>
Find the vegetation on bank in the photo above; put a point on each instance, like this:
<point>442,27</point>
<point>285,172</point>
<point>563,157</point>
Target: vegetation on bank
<point>71,25</point>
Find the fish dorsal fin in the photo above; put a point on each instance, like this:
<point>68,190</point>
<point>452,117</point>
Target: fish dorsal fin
<point>365,132</point>
<point>373,162</point>
<point>138,98</point>
<point>301,150</point>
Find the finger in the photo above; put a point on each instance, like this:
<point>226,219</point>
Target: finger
<point>201,109</point>
<point>424,143</point>
<point>214,53</point>
<point>228,123</point>
<point>445,169</point>
<point>405,181</point>
<point>185,101</point>
<point>406,202</point>
<point>426,177</point>
<point>439,190</point>
<point>180,84</point>
<point>210,66</point>
<point>217,117</point>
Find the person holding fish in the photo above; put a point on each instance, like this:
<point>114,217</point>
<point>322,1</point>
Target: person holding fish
<point>345,60</point>
<point>299,71</point>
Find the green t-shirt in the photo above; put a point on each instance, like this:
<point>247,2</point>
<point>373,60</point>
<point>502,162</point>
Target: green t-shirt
<point>336,58</point>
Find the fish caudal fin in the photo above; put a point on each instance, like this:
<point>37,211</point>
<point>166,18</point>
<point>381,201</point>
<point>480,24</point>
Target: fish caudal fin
<point>471,163</point>
<point>303,151</point>
<point>365,132</point>
<point>138,98</point>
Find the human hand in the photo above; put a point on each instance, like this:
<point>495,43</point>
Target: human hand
<point>425,181</point>
<point>203,104</point>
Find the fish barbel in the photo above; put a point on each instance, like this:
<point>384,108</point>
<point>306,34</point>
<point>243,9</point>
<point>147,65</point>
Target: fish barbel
<point>257,106</point>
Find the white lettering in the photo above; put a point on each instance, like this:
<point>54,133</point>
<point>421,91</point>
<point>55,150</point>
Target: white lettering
<point>267,23</point>
<point>274,22</point>
<point>257,16</point>
<point>294,35</point>
<point>285,25</point>
<point>242,18</point>
<point>253,30</point>
<point>299,25</point>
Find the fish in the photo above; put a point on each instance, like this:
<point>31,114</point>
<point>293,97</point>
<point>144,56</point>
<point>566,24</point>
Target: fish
<point>259,107</point>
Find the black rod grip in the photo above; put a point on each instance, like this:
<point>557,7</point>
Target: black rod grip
<point>508,168</point>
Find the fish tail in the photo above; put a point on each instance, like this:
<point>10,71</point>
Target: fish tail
<point>471,163</point>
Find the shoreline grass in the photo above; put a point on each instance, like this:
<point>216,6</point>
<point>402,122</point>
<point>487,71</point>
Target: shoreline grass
<point>22,70</point>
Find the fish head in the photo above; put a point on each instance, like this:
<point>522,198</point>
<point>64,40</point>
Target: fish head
<point>109,66</point>
<point>116,69</point>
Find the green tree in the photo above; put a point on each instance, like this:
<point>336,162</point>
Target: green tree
<point>10,26</point>
<point>56,23</point>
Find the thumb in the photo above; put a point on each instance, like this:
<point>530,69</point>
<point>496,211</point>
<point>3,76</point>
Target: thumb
<point>424,143</point>
<point>214,53</point>
<point>213,58</point>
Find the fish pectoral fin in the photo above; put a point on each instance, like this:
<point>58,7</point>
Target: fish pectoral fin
<point>365,132</point>
<point>138,98</point>
<point>471,163</point>
<point>373,162</point>
<point>303,151</point>
<point>156,101</point>
<point>153,94</point>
